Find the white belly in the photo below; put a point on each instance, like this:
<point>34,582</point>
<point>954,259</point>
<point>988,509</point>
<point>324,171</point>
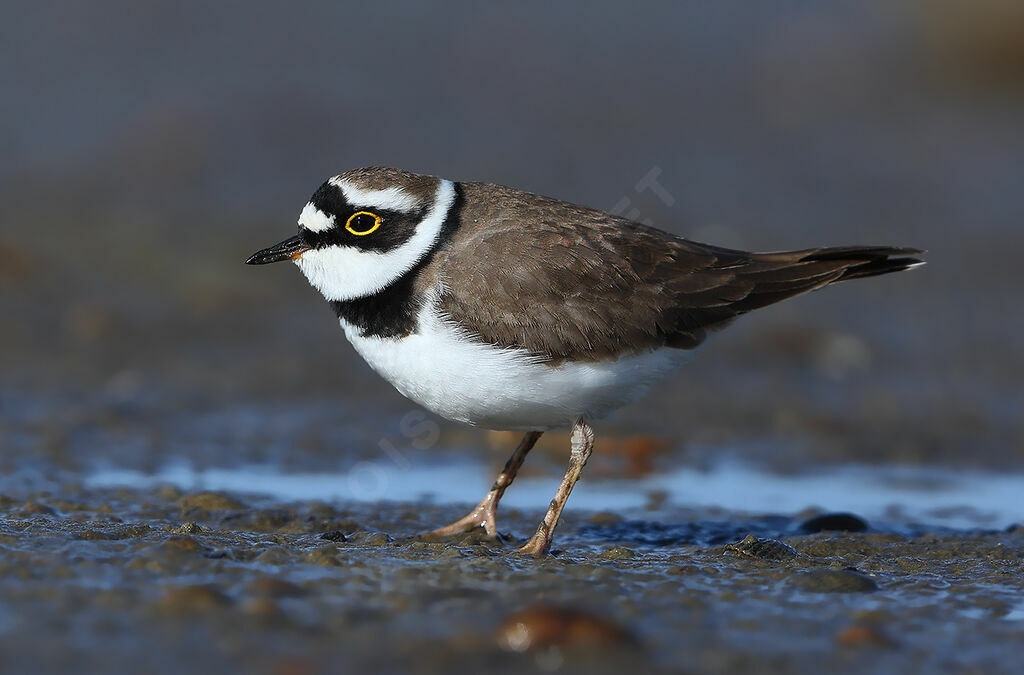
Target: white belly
<point>484,386</point>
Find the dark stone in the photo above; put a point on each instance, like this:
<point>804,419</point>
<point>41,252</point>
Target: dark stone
<point>334,535</point>
<point>765,549</point>
<point>841,522</point>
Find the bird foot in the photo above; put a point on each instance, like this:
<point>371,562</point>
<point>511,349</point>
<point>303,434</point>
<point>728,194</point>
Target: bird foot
<point>537,547</point>
<point>483,516</point>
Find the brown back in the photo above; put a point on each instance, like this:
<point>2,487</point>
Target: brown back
<point>570,283</point>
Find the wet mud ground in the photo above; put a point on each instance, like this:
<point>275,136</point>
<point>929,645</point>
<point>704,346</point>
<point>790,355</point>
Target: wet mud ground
<point>111,561</point>
<point>162,581</point>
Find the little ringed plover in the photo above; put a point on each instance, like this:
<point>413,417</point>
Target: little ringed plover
<point>503,309</point>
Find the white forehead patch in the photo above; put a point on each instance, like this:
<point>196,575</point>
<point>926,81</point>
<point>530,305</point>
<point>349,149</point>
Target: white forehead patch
<point>315,220</point>
<point>392,198</point>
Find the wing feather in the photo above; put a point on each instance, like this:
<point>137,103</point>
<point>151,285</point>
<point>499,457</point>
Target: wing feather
<point>576,284</point>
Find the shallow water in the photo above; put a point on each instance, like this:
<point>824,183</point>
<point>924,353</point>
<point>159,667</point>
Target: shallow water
<point>942,497</point>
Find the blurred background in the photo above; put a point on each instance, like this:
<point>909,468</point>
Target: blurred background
<point>147,148</point>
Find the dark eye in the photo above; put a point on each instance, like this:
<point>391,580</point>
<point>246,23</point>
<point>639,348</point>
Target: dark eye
<point>362,223</point>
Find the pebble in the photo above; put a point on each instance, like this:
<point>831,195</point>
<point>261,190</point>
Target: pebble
<point>683,570</point>
<point>275,587</point>
<point>197,598</point>
<point>116,532</point>
<point>834,581</point>
<point>272,519</point>
<point>185,544</point>
<point>371,538</point>
<point>209,501</point>
<point>325,556</point>
<point>605,518</point>
<point>264,608</point>
<point>35,507</point>
<point>540,627</point>
<point>617,553</point>
<point>334,535</point>
<point>864,635</point>
<point>169,493</point>
<point>275,556</point>
<point>765,549</point>
<point>188,528</point>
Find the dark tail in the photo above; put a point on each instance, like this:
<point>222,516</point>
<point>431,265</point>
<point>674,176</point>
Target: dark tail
<point>738,282</point>
<point>762,279</point>
<point>859,262</point>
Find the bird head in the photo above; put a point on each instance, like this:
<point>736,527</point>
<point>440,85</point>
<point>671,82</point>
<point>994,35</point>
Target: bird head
<point>363,229</point>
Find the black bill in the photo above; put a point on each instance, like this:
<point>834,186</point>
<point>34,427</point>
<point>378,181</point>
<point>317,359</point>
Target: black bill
<point>289,249</point>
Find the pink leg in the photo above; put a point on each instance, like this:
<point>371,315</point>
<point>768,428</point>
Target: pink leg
<point>582,444</point>
<point>485,512</point>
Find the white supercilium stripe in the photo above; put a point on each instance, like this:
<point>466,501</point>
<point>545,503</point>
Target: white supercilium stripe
<point>393,198</point>
<point>347,273</point>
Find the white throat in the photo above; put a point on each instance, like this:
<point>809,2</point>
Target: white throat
<point>347,273</point>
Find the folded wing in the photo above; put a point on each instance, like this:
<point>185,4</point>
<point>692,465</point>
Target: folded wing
<point>590,292</point>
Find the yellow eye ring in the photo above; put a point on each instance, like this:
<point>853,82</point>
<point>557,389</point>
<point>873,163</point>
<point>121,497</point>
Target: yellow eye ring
<point>362,233</point>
